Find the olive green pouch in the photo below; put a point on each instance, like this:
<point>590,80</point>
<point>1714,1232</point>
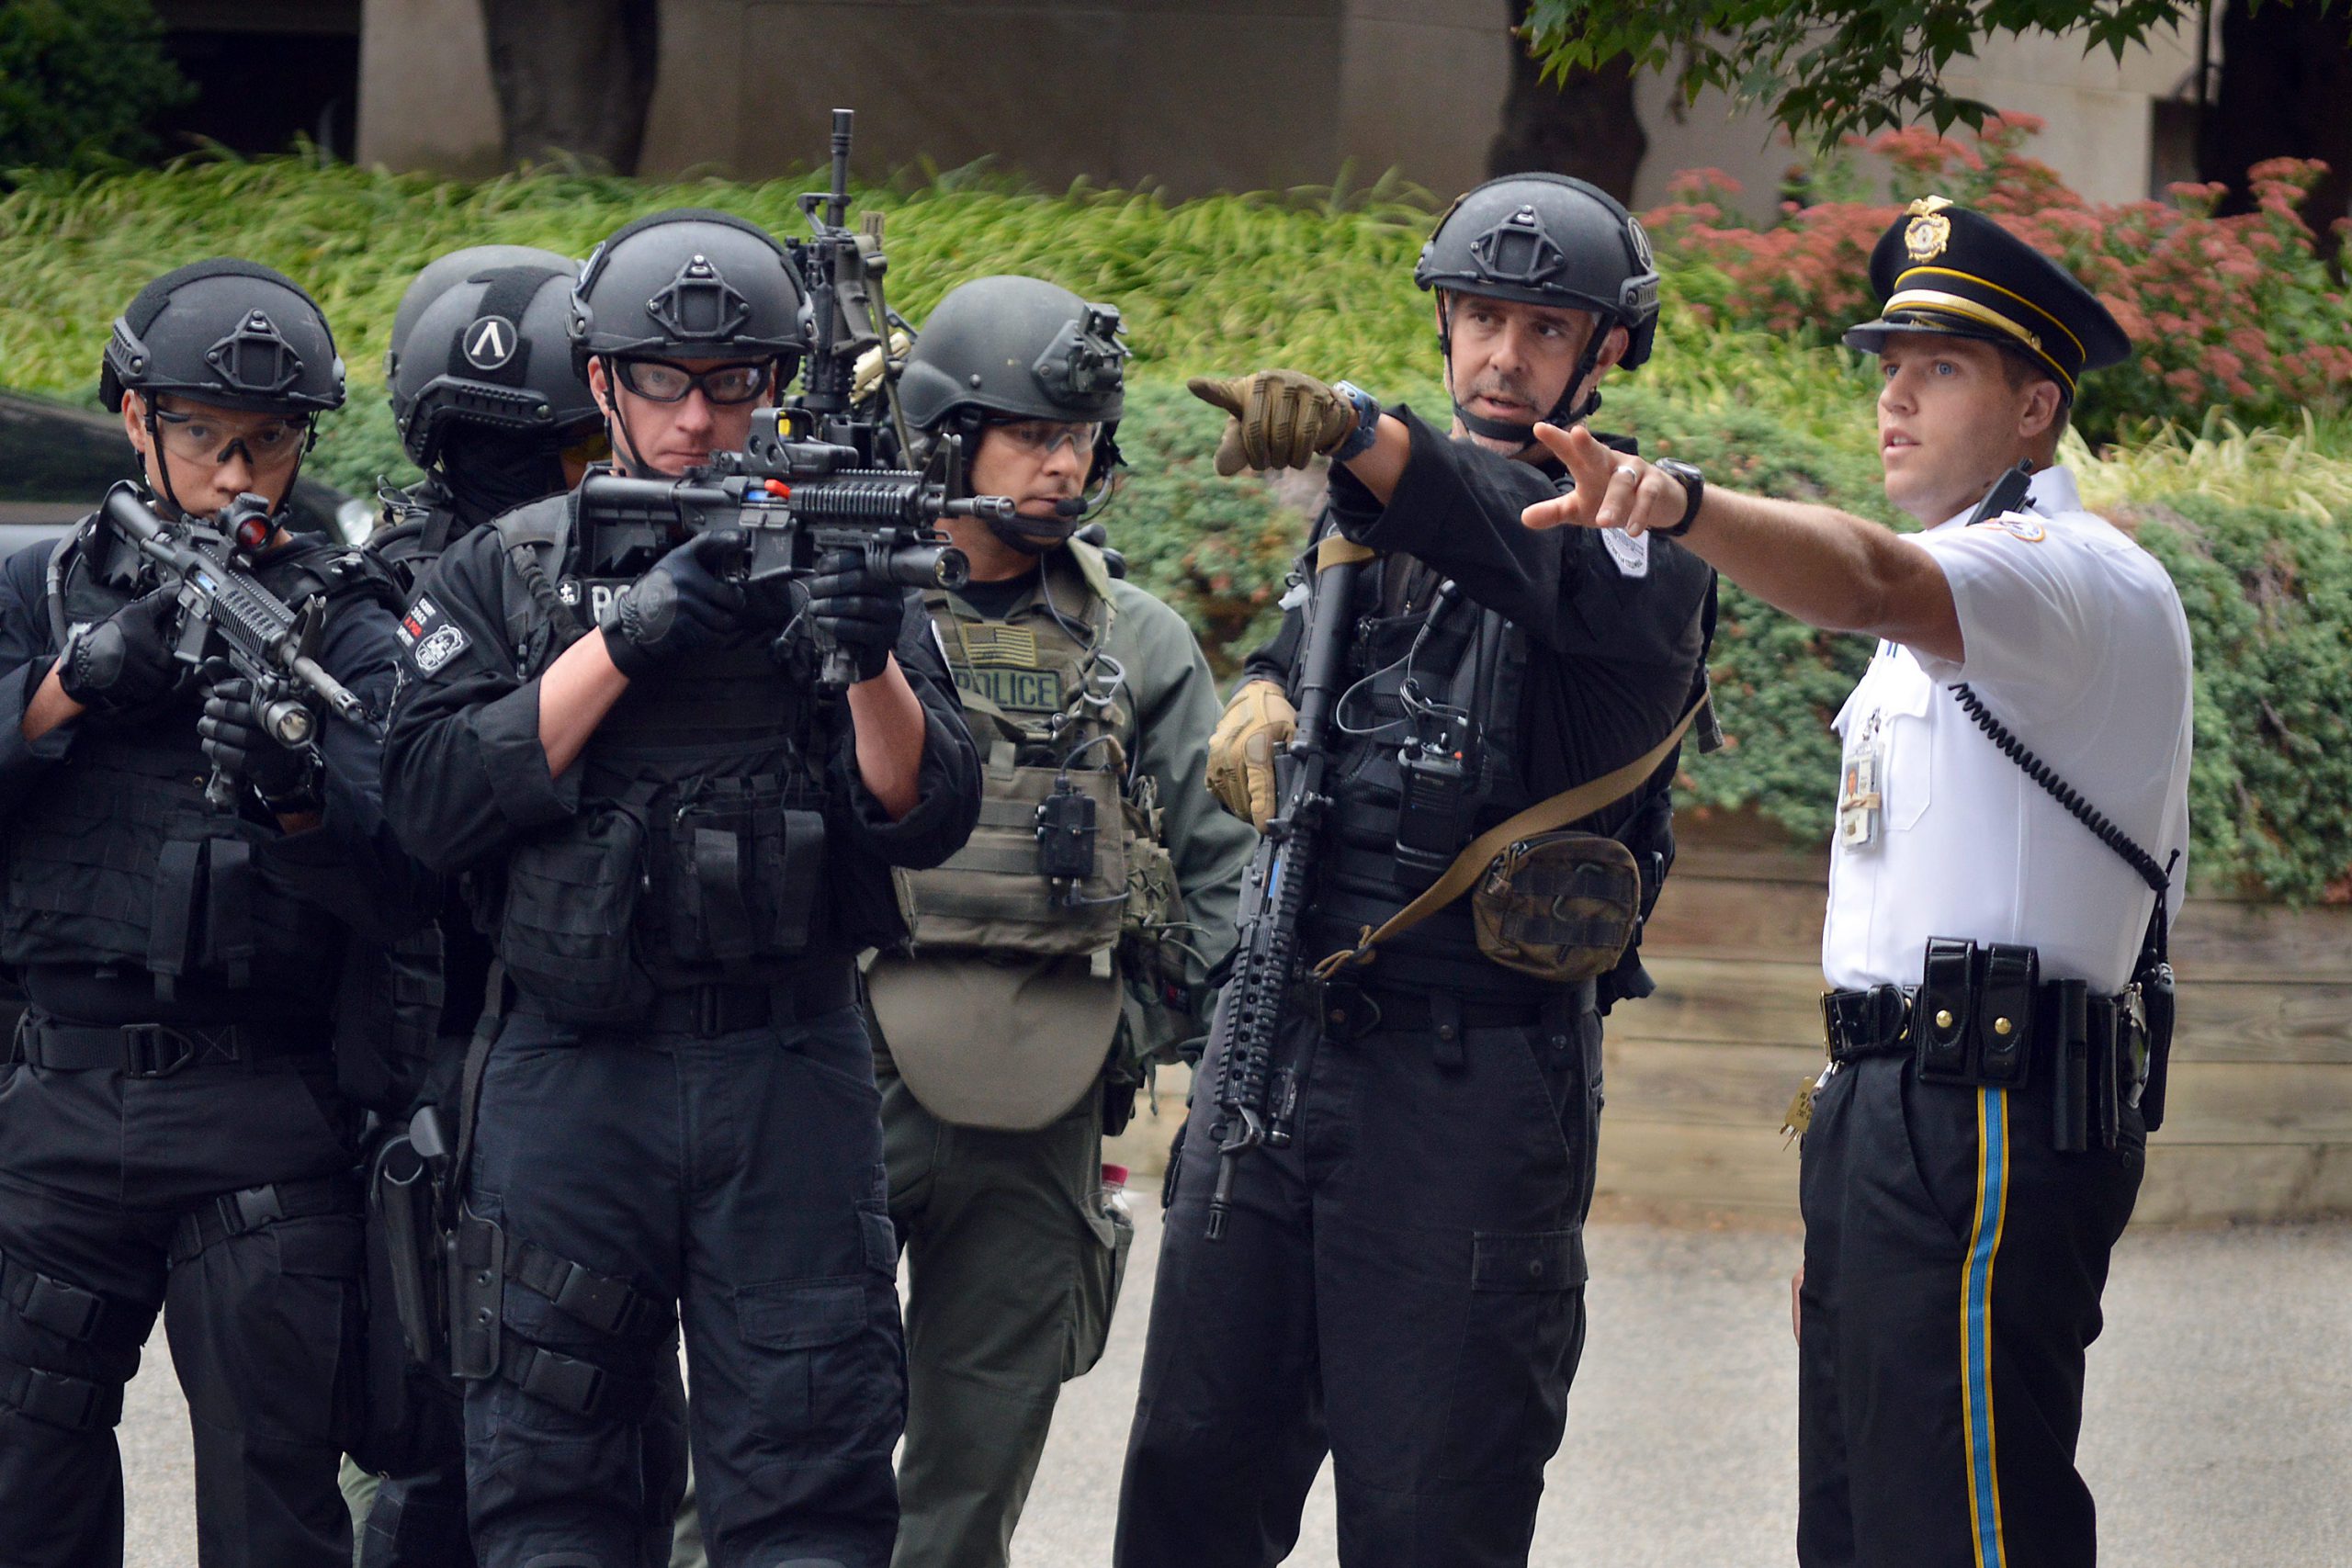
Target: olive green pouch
<point>1560,906</point>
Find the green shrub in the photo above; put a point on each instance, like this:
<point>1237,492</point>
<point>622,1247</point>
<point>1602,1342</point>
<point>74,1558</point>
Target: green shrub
<point>79,81</point>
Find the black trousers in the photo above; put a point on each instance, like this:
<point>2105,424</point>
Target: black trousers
<point>1953,1262</point>
<point>740,1177</point>
<point>96,1173</point>
<point>1402,1286</point>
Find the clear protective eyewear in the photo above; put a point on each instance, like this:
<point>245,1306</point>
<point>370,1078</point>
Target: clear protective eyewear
<point>726,386</point>
<point>1041,438</point>
<point>269,446</point>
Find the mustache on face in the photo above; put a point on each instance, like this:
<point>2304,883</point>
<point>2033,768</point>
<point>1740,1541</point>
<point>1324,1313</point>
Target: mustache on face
<point>1493,384</point>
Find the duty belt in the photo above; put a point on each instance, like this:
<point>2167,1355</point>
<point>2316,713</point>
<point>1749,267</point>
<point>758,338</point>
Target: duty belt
<point>154,1049</point>
<point>235,1213</point>
<point>1351,1011</point>
<point>2089,1049</point>
<point>709,1010</point>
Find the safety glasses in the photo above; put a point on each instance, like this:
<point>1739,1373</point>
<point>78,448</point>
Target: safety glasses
<point>1043,437</point>
<point>268,445</point>
<point>658,380</point>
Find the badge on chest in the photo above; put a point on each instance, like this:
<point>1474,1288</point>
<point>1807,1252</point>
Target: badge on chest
<point>1860,782</point>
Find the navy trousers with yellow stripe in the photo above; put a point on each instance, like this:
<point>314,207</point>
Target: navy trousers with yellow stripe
<point>1953,1261</point>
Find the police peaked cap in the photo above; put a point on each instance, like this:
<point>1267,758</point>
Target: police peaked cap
<point>690,283</point>
<point>493,351</point>
<point>229,333</point>
<point>1945,270</point>
<point>1546,239</point>
<point>1019,347</point>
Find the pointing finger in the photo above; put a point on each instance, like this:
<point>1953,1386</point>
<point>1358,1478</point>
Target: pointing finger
<point>1227,395</point>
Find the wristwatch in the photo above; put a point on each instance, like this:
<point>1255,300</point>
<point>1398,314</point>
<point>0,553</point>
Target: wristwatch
<point>1367,428</point>
<point>1694,485</point>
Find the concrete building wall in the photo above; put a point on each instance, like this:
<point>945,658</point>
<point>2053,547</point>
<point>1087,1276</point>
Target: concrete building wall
<point>424,96</point>
<point>1191,95</point>
<point>2100,115</point>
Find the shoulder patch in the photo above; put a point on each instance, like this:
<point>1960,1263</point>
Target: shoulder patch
<point>439,647</point>
<point>2018,525</point>
<point>1631,554</point>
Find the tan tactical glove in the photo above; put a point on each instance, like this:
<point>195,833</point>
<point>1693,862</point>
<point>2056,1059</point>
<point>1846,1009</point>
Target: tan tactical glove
<point>865,376</point>
<point>1281,419</point>
<point>1257,722</point>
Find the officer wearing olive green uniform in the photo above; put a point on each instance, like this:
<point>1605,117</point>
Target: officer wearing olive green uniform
<point>1058,949</point>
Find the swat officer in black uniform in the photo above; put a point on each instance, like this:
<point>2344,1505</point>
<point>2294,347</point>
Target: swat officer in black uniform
<point>172,1135</point>
<point>491,407</point>
<point>682,843</point>
<point>1401,1284</point>
<point>486,397</point>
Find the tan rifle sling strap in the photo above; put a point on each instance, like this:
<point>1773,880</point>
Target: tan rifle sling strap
<point>1544,816</point>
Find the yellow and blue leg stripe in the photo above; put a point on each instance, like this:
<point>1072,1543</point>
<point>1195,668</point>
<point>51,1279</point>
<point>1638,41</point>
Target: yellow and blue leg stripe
<point>1977,1325</point>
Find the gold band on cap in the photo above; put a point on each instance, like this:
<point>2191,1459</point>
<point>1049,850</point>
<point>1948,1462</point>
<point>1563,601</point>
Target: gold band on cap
<point>1930,300</point>
<point>2012,294</point>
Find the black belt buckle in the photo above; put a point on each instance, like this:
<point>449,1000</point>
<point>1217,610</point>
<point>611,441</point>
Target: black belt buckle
<point>156,1050</point>
<point>67,1311</point>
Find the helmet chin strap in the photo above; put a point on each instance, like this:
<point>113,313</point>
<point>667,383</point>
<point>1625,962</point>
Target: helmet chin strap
<point>1567,411</point>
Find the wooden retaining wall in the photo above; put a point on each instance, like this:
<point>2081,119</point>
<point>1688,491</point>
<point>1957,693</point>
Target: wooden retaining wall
<point>1700,1075</point>
<point>2260,1120</point>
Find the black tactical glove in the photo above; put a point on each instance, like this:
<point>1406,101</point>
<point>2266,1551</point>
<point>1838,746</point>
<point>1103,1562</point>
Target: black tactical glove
<point>861,610</point>
<point>244,753</point>
<point>681,606</point>
<point>124,662</point>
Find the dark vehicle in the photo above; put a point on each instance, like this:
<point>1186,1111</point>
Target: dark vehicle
<point>57,462</point>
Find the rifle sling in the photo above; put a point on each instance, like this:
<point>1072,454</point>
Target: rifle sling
<point>1544,816</point>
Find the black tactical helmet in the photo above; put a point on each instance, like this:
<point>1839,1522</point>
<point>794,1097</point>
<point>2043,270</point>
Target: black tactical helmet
<point>689,284</point>
<point>231,334</point>
<point>1012,347</point>
<point>493,350</point>
<point>1547,239</point>
<point>442,274</point>
<point>1016,346</point>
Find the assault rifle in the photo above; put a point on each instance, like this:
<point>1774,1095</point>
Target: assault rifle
<point>229,619</point>
<point>842,274</point>
<point>1266,961</point>
<point>792,501</point>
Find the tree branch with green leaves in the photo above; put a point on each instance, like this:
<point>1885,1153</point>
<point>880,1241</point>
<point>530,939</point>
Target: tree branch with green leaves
<point>1829,68</point>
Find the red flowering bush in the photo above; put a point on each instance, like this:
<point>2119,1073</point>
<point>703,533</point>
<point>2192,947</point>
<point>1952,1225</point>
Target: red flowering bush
<point>2238,314</point>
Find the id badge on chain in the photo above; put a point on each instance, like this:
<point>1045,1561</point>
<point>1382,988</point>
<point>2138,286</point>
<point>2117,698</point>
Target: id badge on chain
<point>1861,779</point>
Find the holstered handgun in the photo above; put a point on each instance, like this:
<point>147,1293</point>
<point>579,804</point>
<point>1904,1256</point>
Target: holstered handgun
<point>401,1189</point>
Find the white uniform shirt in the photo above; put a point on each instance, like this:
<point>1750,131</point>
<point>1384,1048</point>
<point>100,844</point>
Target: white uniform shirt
<point>2075,640</point>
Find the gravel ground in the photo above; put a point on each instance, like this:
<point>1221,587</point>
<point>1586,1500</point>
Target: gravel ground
<point>2219,1427</point>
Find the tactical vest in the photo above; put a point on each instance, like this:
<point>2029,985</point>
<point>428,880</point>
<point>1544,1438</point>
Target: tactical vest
<point>698,853</point>
<point>120,859</point>
<point>1459,654</point>
<point>1051,715</point>
<point>1020,981</point>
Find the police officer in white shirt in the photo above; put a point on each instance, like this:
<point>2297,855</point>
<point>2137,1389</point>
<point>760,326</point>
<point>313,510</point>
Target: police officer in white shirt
<point>2012,817</point>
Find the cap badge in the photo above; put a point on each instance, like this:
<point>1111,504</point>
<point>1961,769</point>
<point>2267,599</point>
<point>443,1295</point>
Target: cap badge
<point>1925,237</point>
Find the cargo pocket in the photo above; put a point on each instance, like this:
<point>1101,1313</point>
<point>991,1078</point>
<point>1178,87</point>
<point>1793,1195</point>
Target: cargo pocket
<point>1102,1272</point>
<point>1523,1319</point>
<point>566,933</point>
<point>825,1380</point>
